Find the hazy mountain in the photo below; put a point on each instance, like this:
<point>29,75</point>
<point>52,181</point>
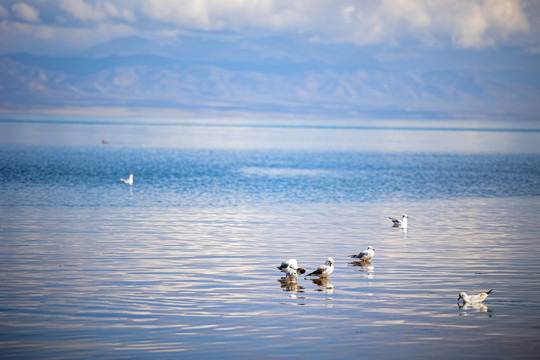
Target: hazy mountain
<point>318,80</point>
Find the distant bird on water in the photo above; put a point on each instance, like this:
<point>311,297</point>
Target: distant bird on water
<point>473,298</point>
<point>324,270</point>
<point>402,223</point>
<point>128,181</point>
<point>365,255</point>
<point>290,267</point>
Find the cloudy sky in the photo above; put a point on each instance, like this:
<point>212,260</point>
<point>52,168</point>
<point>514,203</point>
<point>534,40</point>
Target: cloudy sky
<point>304,58</point>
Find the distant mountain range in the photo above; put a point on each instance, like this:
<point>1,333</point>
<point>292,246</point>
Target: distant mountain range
<point>345,85</point>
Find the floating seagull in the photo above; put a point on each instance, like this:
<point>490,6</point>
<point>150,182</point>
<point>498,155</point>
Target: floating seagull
<point>324,270</point>
<point>128,181</point>
<point>292,264</point>
<point>365,255</point>
<point>473,298</point>
<point>291,273</point>
<point>400,222</point>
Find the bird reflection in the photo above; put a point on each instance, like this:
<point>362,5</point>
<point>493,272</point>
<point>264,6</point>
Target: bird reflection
<point>290,285</point>
<point>476,307</point>
<point>365,266</point>
<point>325,285</point>
<point>402,231</point>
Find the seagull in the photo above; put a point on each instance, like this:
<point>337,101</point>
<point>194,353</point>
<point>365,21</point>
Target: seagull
<point>473,298</point>
<point>324,270</point>
<point>128,181</point>
<point>400,222</point>
<point>365,255</point>
<point>292,264</point>
<point>291,273</point>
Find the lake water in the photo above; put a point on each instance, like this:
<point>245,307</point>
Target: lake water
<point>183,263</point>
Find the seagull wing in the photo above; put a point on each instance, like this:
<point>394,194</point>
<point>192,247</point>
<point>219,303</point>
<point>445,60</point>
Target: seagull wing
<point>319,270</point>
<point>483,296</point>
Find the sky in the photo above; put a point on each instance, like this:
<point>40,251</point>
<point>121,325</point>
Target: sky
<point>397,59</point>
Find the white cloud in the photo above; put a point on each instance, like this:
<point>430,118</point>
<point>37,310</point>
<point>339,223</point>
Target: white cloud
<point>25,12</point>
<point>81,10</point>
<point>408,13</point>
<point>189,13</point>
<point>472,24</point>
<point>50,40</point>
<point>469,24</point>
<point>98,10</point>
<point>347,12</point>
<point>507,15</point>
<point>482,24</point>
<point>470,29</point>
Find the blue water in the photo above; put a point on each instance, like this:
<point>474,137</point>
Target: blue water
<point>89,176</point>
<point>182,263</point>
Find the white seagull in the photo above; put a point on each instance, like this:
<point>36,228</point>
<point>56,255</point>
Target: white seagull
<point>473,298</point>
<point>324,270</point>
<point>128,181</point>
<point>291,273</point>
<point>365,255</point>
<point>400,222</point>
<point>290,264</point>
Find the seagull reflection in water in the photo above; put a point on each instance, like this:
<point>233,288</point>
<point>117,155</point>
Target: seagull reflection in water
<point>325,285</point>
<point>402,231</point>
<point>365,266</point>
<point>290,285</point>
<point>474,307</point>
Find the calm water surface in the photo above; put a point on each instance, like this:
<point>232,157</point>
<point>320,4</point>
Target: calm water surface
<point>183,263</point>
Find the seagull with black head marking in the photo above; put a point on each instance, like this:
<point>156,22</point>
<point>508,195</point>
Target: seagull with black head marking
<point>473,299</point>
<point>402,223</point>
<point>325,269</point>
